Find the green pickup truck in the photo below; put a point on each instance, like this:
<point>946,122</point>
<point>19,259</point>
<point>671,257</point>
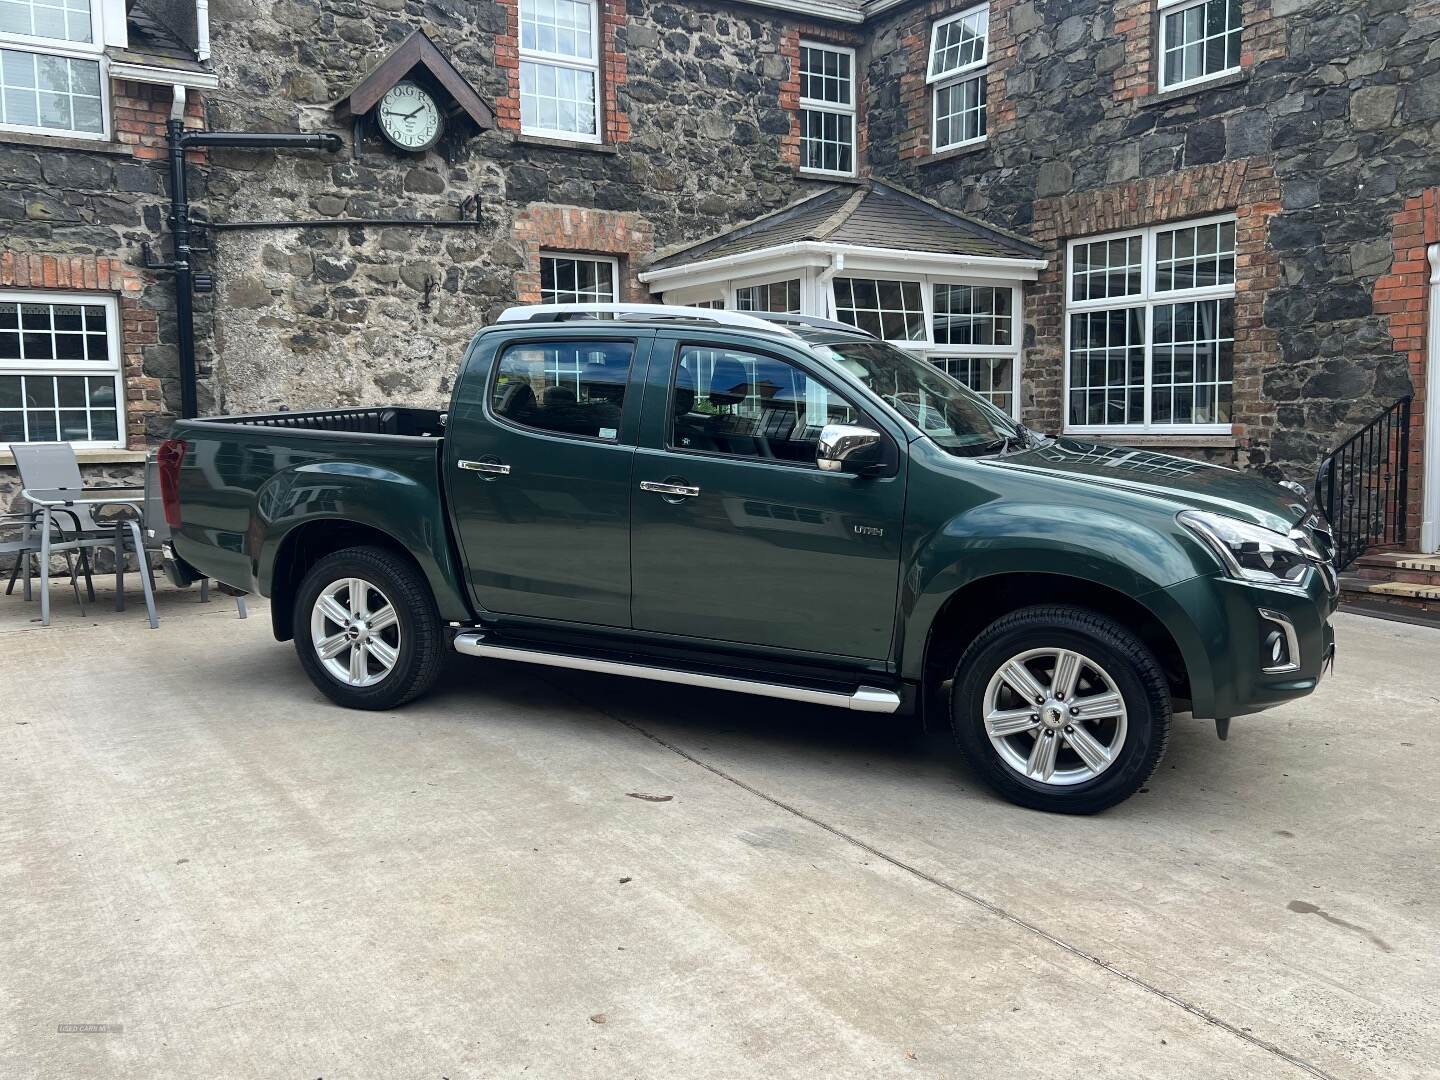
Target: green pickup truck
<point>774,505</point>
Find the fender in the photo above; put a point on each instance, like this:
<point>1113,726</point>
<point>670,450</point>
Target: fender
<point>1138,556</point>
<point>384,499</point>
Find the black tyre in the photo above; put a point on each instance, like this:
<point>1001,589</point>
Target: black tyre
<point>366,629</point>
<point>1061,709</point>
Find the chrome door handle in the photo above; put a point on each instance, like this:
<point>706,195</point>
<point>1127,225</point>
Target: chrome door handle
<point>682,490</point>
<point>485,467</point>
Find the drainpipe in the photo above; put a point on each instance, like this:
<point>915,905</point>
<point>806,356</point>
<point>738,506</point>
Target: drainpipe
<point>202,30</point>
<point>1430,475</point>
<point>184,272</point>
<point>837,263</point>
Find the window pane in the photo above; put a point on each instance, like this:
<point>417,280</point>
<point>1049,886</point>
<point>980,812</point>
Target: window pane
<point>1199,41</point>
<point>55,335</point>
<point>557,99</point>
<point>1195,257</point>
<point>825,75</point>
<point>1107,366</point>
<point>559,27</point>
<point>46,18</point>
<point>1194,367</point>
<point>570,387</point>
<point>892,310</point>
<point>972,315</point>
<point>958,43</point>
<point>574,280</point>
<point>1106,268</point>
<point>53,92</point>
<point>960,112</point>
<point>744,404</point>
<point>779,296</point>
<point>992,377</point>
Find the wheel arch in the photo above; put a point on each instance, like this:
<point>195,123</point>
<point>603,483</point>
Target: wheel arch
<point>974,606</point>
<point>305,545</point>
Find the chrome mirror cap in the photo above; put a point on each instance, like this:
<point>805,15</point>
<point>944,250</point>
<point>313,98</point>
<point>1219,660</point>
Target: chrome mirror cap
<point>846,447</point>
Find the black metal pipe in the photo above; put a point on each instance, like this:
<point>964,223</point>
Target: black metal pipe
<point>347,223</point>
<point>184,276</point>
<point>266,140</point>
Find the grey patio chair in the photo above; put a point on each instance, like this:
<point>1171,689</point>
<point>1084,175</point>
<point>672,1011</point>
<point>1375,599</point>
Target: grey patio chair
<point>155,530</point>
<point>26,546</point>
<point>54,467</point>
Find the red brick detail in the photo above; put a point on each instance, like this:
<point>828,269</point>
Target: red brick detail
<point>139,325</point>
<point>917,96</point>
<point>1248,188</point>
<point>615,121</point>
<point>1403,297</point>
<point>139,112</point>
<point>575,229</point>
<point>790,88</point>
<point>1262,37</point>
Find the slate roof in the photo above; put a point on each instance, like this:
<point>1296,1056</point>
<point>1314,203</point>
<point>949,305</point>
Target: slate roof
<point>871,214</point>
<point>154,42</point>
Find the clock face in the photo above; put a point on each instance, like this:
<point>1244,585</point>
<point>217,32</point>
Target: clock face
<point>409,117</point>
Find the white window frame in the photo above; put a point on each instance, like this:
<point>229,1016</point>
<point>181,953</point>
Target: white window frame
<point>816,105</point>
<point>92,51</point>
<point>582,256</point>
<point>944,80</point>
<point>111,367</point>
<point>1147,298</point>
<point>1171,7</point>
<point>575,63</point>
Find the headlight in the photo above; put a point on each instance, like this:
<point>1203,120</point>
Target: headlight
<point>1250,552</point>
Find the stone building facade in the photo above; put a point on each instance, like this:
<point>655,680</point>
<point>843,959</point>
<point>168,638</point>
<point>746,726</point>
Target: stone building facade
<point>1306,138</point>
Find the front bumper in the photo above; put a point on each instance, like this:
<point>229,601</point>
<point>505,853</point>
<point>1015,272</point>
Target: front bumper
<point>1227,657</point>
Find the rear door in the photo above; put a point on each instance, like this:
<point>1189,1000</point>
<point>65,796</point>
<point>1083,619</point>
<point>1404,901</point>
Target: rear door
<point>538,456</point>
<point>749,541</point>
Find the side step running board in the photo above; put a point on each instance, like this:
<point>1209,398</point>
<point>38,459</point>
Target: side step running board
<point>863,699</point>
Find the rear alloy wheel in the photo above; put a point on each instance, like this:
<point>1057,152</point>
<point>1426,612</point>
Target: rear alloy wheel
<point>366,628</point>
<point>1060,708</point>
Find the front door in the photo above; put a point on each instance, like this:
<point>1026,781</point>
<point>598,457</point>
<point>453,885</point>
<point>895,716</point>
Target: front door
<point>539,449</point>
<point>746,540</point>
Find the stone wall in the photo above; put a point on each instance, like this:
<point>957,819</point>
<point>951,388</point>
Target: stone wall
<point>1339,100</point>
<point>696,140</point>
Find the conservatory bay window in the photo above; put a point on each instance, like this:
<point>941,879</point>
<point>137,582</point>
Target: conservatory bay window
<point>559,69</point>
<point>51,77</point>
<point>776,296</point>
<point>956,72</point>
<point>827,109</point>
<point>891,310</point>
<point>1198,41</point>
<point>1150,334</point>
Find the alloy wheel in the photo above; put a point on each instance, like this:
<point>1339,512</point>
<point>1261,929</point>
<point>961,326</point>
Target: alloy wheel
<point>355,632</point>
<point>1055,716</point>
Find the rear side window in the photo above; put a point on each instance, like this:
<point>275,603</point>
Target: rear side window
<point>743,404</point>
<point>567,387</point>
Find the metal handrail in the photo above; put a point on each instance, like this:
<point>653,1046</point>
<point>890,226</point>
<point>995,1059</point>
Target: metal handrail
<point>1362,487</point>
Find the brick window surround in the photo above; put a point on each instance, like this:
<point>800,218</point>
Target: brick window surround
<point>1246,187</point>
<point>1262,37</point>
<point>577,230</point>
<point>790,38</point>
<point>139,325</point>
<point>614,121</point>
<point>1403,297</point>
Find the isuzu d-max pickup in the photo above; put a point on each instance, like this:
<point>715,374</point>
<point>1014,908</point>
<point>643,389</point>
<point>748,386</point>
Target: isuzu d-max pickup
<point>779,506</point>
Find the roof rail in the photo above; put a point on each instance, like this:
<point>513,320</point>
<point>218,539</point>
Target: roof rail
<point>543,313</point>
<point>814,322</point>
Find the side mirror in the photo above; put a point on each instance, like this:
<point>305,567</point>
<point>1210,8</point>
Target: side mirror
<point>849,448</point>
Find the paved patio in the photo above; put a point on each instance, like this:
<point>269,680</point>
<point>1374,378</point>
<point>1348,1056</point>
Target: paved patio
<point>541,873</point>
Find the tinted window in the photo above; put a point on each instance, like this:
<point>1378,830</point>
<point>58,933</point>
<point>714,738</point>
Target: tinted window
<point>570,387</point>
<point>728,401</point>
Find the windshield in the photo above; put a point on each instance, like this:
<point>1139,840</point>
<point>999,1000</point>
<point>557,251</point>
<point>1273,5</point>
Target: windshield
<point>953,416</point>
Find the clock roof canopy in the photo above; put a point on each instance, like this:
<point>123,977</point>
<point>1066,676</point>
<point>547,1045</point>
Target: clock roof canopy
<point>416,51</point>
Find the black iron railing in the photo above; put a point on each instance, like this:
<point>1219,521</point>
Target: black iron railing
<point>1362,486</point>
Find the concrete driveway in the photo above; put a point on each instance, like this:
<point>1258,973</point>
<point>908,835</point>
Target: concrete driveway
<point>538,873</point>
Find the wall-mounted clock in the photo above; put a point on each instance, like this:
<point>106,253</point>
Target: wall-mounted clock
<point>409,117</point>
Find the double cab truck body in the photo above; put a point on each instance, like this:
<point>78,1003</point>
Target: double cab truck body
<point>778,506</point>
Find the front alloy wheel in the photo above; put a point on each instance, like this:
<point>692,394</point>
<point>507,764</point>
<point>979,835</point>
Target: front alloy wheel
<point>1060,708</point>
<point>1055,716</point>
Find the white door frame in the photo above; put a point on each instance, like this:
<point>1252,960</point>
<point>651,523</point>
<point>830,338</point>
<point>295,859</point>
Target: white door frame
<point>1430,477</point>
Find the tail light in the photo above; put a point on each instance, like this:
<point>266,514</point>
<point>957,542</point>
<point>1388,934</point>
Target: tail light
<point>169,457</point>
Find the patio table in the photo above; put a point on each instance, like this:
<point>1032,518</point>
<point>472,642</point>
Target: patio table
<point>48,500</point>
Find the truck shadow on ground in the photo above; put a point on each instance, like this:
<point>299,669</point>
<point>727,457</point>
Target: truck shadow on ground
<point>752,737</point>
